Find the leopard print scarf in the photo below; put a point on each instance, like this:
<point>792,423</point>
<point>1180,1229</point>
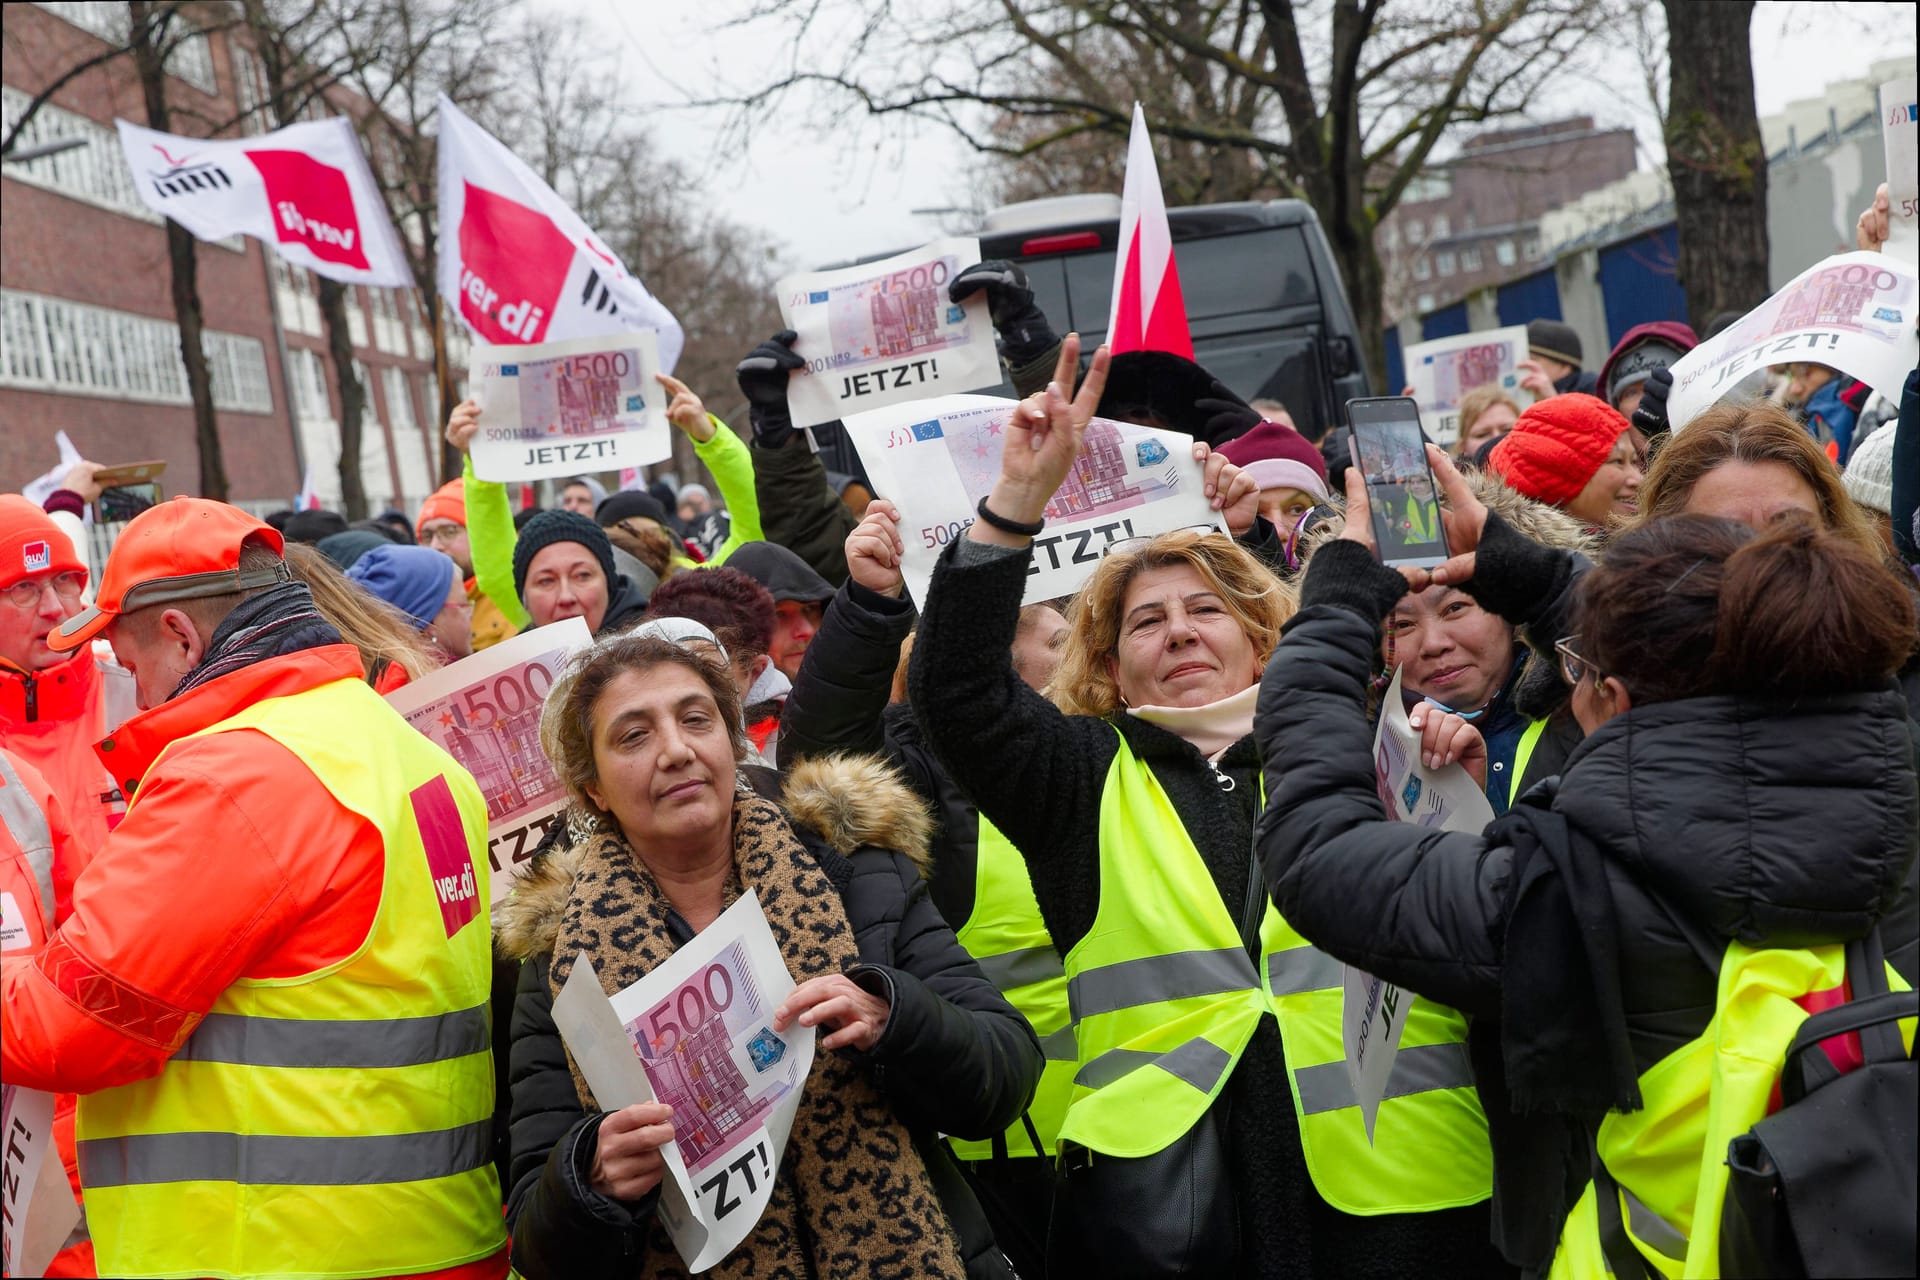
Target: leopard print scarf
<point>853,1198</point>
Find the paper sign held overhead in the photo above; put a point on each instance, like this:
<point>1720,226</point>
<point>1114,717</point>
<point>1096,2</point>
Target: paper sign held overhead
<point>1443,371</point>
<point>1900,131</point>
<point>552,409</point>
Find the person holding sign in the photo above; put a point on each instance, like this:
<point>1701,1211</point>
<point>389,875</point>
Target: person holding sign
<point>1733,816</point>
<point>1133,802</point>
<point>914,1039</point>
<point>271,991</point>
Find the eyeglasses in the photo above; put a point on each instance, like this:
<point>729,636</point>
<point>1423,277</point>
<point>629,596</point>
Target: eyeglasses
<point>25,593</point>
<point>1573,667</point>
<point>1126,546</point>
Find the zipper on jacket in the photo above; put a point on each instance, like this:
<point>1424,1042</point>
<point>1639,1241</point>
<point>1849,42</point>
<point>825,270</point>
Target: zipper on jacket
<point>33,697</point>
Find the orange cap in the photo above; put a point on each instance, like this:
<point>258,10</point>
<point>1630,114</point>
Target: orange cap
<point>30,542</point>
<point>448,502</point>
<point>173,551</point>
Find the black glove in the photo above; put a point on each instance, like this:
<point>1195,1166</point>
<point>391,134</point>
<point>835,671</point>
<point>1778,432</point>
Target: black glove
<point>1650,415</point>
<point>1226,416</point>
<point>1017,319</point>
<point>763,378</point>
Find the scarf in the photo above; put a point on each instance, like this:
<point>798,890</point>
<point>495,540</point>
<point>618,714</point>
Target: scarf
<point>277,621</point>
<point>854,1198</point>
<point>1211,728</point>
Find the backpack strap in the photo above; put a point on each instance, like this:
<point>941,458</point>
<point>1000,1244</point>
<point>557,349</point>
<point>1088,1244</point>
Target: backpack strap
<point>1624,1258</point>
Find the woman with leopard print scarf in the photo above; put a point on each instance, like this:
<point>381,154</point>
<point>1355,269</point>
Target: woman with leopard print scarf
<point>914,1040</point>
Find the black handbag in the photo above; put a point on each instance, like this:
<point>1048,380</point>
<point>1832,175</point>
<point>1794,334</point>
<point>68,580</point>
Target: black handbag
<point>1825,1185</point>
<point>1167,1216</point>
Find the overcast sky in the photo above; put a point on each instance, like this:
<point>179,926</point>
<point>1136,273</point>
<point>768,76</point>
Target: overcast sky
<point>830,198</point>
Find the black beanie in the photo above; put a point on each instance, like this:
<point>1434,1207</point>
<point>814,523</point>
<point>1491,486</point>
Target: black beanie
<point>549,527</point>
<point>629,504</point>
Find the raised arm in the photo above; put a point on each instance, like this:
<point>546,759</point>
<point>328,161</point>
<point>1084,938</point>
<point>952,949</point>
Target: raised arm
<point>798,507</point>
<point>490,531</point>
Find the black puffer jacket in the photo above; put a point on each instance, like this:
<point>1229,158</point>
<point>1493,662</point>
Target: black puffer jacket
<point>1039,775</point>
<point>839,704</point>
<point>954,1058</point>
<point>1716,819</point>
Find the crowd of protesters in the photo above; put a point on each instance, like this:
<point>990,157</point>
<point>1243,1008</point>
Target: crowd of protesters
<point>1071,890</point>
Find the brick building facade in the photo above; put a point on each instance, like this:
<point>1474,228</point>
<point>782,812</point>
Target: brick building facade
<point>1473,220</point>
<point>88,342</point>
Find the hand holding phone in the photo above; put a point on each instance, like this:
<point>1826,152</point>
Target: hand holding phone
<point>1403,502</point>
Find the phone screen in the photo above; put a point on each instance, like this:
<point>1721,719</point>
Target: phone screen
<point>1390,450</point>
<point>124,502</point>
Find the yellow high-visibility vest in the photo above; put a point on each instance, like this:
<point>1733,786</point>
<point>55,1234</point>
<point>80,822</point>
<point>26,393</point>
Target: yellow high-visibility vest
<point>1669,1159</point>
<point>1005,935</point>
<point>1164,1000</point>
<point>336,1123</point>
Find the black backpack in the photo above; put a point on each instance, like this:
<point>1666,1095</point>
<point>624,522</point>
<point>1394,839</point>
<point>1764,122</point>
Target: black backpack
<point>1825,1185</point>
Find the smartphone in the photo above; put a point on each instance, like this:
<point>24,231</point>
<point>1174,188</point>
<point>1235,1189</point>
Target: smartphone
<point>125,501</point>
<point>1389,448</point>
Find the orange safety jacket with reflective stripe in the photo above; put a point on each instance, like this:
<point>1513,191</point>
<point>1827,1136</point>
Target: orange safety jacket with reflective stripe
<point>51,719</point>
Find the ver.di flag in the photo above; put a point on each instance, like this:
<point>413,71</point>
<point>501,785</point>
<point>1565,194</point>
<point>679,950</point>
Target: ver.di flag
<point>1149,313</point>
<point>305,190</point>
<point>521,264</point>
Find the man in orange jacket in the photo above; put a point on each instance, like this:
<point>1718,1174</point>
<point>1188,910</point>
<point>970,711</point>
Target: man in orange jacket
<point>443,526</point>
<point>37,857</point>
<point>53,706</point>
<point>271,991</point>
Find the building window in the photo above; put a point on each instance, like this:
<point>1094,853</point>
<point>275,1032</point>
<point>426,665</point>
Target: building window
<point>249,88</point>
<point>356,317</point>
<point>310,402</point>
<point>1425,304</point>
<point>376,476</point>
<point>409,445</point>
<point>50,344</point>
<point>1470,259</point>
<point>190,59</point>
<point>1416,230</point>
<point>298,300</point>
<point>96,173</point>
<point>1422,269</point>
<point>1436,184</point>
<point>1503,253</point>
<point>1441,229</point>
<point>389,334</point>
<point>1443,263</point>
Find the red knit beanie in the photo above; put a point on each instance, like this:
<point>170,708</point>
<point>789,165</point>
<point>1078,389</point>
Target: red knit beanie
<point>1557,446</point>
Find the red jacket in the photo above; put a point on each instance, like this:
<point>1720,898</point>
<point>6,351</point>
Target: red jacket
<point>235,863</point>
<point>51,719</point>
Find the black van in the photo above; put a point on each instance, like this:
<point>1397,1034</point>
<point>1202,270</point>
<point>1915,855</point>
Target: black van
<point>1265,303</point>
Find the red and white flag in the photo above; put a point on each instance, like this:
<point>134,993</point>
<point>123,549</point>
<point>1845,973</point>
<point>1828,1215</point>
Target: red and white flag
<point>305,190</point>
<point>520,264</point>
<point>1148,312</point>
<point>309,497</point>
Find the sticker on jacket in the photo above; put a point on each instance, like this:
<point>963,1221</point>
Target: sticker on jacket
<point>449,856</point>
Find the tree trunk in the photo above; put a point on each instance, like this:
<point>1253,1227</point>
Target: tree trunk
<point>1716,159</point>
<point>183,260</point>
<point>353,397</point>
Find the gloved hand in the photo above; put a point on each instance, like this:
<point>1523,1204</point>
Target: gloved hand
<point>1226,416</point>
<point>763,378</point>
<point>1650,415</point>
<point>1024,331</point>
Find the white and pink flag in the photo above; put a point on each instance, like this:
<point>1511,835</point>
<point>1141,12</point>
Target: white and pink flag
<point>520,264</point>
<point>305,190</point>
<point>1149,313</point>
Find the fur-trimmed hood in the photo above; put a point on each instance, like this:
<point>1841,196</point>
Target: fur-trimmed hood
<point>847,802</point>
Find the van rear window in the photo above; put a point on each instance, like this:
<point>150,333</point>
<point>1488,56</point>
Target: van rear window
<point>1219,276</point>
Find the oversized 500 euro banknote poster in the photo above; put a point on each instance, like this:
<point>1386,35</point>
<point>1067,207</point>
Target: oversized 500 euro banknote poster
<point>1375,1011</point>
<point>935,460</point>
<point>1444,370</point>
<point>1900,131</point>
<point>37,1209</point>
<point>884,333</point>
<point>484,711</point>
<point>697,1034</point>
<point>563,408</point>
<point>1853,312</point>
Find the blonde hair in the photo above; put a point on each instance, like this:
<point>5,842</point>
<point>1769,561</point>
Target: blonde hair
<point>1256,599</point>
<point>1475,403</point>
<point>380,632</point>
<point>1751,432</point>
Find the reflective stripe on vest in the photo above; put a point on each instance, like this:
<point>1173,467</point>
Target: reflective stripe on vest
<point>1005,935</point>
<point>28,826</point>
<point>1522,754</point>
<point>1165,999</point>
<point>338,1122</point>
<point>1669,1159</point>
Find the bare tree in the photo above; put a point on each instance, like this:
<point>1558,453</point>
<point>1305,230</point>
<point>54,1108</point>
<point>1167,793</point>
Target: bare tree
<point>1341,106</point>
<point>150,49</point>
<point>1716,159</point>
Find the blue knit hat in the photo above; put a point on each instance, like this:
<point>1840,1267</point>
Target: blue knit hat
<point>414,580</point>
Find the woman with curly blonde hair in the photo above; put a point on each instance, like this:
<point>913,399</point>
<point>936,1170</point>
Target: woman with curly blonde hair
<point>1210,1130</point>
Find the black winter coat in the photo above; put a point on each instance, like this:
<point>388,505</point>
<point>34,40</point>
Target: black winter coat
<point>799,508</point>
<point>1038,775</point>
<point>839,704</point>
<point>1716,819</point>
<point>954,1058</point>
